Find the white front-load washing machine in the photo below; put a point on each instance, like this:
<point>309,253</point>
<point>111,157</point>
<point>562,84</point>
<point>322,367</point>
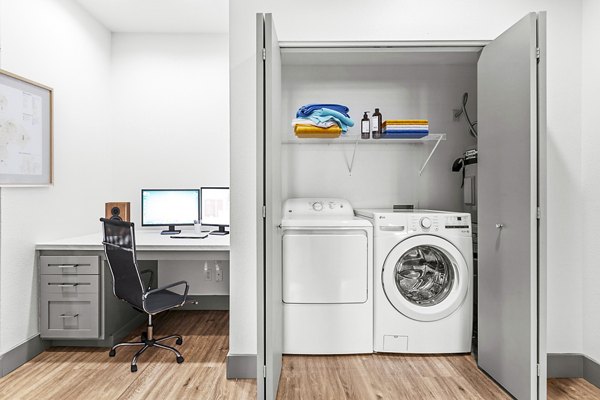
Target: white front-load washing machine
<point>423,280</point>
<point>327,278</point>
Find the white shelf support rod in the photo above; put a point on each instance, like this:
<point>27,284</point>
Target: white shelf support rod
<point>431,154</point>
<point>351,165</point>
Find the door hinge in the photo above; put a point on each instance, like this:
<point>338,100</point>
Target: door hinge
<point>537,53</point>
<point>539,213</point>
<point>264,53</point>
<point>264,371</point>
<point>264,211</point>
<point>538,370</point>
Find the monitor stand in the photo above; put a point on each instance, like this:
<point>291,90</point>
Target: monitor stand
<point>171,231</point>
<point>220,232</point>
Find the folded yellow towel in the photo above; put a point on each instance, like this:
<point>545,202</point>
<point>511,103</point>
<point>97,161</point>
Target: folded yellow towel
<point>406,122</point>
<point>317,130</point>
<point>317,135</point>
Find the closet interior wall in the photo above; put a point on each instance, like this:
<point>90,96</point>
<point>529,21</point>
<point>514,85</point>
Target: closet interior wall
<point>384,173</point>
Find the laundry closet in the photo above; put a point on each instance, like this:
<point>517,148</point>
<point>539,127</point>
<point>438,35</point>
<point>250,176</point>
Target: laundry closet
<point>505,82</point>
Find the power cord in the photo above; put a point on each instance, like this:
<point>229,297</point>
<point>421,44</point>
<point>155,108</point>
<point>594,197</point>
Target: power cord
<point>472,128</point>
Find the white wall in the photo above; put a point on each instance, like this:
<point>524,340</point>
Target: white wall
<point>433,20</point>
<point>382,174</point>
<point>64,48</point>
<point>590,168</point>
<point>130,111</point>
<point>170,108</point>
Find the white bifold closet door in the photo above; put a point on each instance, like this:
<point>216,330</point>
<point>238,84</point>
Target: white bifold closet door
<point>511,174</point>
<point>270,317</point>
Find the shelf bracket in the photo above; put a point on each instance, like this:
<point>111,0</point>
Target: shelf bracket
<point>351,165</point>
<point>430,154</point>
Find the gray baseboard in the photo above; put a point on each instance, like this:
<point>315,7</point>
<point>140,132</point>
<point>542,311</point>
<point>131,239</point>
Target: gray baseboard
<point>18,356</point>
<point>574,366</point>
<point>241,366</point>
<point>207,302</point>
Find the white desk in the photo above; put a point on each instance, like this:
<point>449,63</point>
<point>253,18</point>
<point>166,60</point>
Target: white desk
<point>111,318</point>
<point>149,244</point>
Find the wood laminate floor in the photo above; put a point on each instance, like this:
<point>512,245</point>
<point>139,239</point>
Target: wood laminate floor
<point>88,373</point>
<point>396,377</point>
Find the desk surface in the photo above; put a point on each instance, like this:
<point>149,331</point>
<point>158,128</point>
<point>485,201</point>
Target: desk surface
<point>146,240</point>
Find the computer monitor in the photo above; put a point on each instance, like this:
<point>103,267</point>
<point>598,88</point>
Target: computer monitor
<point>170,207</point>
<point>215,208</point>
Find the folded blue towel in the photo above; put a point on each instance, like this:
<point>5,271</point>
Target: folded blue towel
<point>403,135</point>
<point>308,109</point>
<point>399,131</point>
<point>324,112</point>
<point>320,120</point>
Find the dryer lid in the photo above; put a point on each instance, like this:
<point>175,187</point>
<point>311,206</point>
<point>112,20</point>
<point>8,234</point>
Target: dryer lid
<point>320,212</point>
<point>324,221</point>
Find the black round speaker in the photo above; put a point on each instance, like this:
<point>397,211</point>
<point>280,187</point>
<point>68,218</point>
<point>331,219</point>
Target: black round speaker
<point>116,211</point>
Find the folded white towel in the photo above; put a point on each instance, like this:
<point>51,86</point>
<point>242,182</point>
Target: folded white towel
<point>306,121</point>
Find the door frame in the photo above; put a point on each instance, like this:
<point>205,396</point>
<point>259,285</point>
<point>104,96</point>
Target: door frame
<point>292,47</point>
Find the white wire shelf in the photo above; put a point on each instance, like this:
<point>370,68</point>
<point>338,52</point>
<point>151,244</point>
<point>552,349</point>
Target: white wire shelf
<point>354,139</point>
<point>434,138</point>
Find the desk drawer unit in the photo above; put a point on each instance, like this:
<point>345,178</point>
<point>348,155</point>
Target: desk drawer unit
<point>70,286</point>
<point>70,317</point>
<point>67,265</point>
<point>70,297</point>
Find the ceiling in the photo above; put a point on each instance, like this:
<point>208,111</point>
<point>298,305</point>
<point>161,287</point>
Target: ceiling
<point>161,16</point>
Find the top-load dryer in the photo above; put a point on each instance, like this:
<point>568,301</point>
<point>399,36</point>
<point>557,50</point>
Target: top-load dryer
<point>327,278</point>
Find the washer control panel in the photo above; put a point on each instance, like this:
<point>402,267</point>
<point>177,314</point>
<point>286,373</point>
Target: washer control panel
<point>460,223</point>
<point>317,206</point>
<point>424,223</point>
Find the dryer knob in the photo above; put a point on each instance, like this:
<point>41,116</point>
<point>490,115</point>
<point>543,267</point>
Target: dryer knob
<point>425,223</point>
<point>317,206</point>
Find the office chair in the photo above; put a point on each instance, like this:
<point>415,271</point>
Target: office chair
<point>119,247</point>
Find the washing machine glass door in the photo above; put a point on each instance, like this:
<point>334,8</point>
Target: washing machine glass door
<point>425,278</point>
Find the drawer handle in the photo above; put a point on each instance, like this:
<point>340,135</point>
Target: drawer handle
<point>64,284</point>
<point>68,266</point>
<point>68,316</point>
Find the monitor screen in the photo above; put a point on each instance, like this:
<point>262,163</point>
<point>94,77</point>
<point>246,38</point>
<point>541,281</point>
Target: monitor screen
<point>161,207</point>
<point>215,206</point>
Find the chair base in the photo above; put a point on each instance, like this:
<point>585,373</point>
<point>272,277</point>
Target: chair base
<point>145,342</point>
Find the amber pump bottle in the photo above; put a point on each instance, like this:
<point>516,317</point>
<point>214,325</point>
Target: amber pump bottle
<point>365,126</point>
<point>376,124</point>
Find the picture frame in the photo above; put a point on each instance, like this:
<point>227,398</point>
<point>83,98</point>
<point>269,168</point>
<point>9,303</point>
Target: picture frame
<point>26,132</point>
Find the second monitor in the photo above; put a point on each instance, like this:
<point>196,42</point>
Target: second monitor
<point>215,208</point>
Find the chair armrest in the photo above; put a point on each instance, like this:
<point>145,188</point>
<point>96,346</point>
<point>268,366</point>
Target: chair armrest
<point>148,271</point>
<point>187,288</point>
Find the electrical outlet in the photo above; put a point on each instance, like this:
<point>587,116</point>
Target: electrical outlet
<point>207,272</point>
<point>218,273</point>
<point>456,113</point>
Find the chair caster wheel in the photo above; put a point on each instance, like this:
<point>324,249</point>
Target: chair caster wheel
<point>179,359</point>
<point>133,368</point>
<point>179,341</point>
<point>112,353</point>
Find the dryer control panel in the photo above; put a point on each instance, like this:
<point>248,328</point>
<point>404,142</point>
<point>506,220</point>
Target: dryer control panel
<point>317,206</point>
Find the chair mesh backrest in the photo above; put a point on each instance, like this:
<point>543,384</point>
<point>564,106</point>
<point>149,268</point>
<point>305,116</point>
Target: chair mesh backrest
<point>119,246</point>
